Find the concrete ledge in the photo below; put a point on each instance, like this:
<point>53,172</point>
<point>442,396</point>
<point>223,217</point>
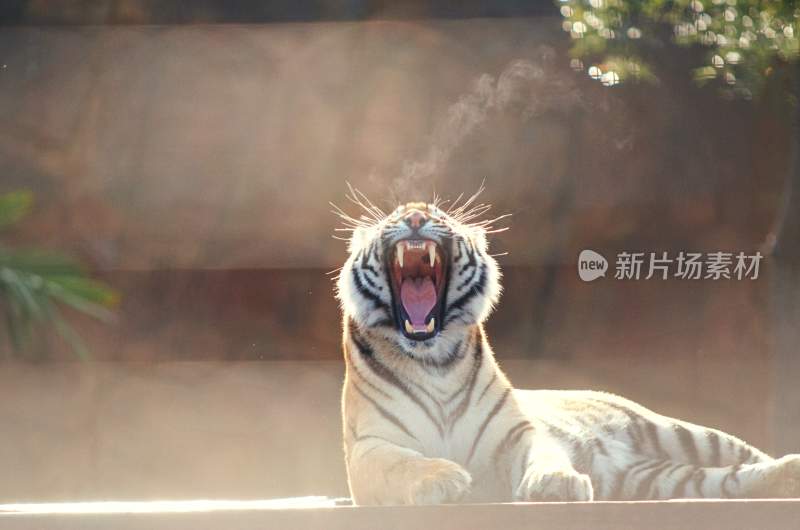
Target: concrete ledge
<point>671,515</point>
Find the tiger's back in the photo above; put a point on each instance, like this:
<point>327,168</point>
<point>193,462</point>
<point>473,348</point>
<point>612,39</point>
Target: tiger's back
<point>631,452</point>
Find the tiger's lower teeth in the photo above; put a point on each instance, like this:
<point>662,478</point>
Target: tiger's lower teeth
<point>428,328</point>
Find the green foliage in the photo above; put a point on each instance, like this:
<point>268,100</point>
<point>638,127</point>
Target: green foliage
<point>743,39</point>
<point>36,285</point>
<point>14,206</point>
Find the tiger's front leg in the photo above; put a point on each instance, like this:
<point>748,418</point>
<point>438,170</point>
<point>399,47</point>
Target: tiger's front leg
<point>546,473</point>
<point>384,473</point>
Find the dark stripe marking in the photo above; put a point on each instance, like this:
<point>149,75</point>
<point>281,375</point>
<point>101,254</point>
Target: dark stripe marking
<point>512,437</point>
<point>699,478</point>
<point>688,444</point>
<point>387,375</point>
<point>369,295</point>
<point>386,414</point>
<point>621,479</point>
<point>643,489</point>
<point>652,432</point>
<point>713,441</point>
<point>458,304</point>
<point>486,388</point>
<point>459,411</point>
<point>679,490</point>
<point>489,417</point>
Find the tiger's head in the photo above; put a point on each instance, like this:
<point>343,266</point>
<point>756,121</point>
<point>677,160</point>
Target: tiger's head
<point>419,276</point>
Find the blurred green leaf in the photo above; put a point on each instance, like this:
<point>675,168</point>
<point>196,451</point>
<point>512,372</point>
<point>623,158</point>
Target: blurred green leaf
<point>84,295</point>
<point>33,282</point>
<point>70,336</point>
<point>39,263</point>
<point>14,206</point>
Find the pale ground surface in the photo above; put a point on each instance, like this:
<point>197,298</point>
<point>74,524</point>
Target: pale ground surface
<point>64,508</point>
<point>705,515</point>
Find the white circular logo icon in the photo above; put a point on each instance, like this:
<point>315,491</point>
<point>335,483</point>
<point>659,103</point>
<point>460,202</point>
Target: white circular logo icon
<point>591,265</point>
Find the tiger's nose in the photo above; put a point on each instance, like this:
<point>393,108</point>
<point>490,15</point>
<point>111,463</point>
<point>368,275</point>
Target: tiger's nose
<point>414,218</point>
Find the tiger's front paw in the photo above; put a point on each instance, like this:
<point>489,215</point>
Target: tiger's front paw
<point>437,481</point>
<point>564,486</point>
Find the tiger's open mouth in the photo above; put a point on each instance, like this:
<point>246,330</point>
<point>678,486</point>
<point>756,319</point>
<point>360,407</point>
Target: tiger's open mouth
<point>418,275</point>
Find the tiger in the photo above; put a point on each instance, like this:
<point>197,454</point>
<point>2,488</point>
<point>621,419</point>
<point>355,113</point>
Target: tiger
<point>429,417</point>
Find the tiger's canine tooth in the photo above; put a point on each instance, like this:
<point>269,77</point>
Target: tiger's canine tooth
<point>400,250</point>
<point>432,253</point>
<point>430,325</point>
<point>409,329</point>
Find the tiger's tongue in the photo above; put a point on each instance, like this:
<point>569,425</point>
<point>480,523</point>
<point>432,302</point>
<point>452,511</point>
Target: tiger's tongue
<point>419,297</point>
